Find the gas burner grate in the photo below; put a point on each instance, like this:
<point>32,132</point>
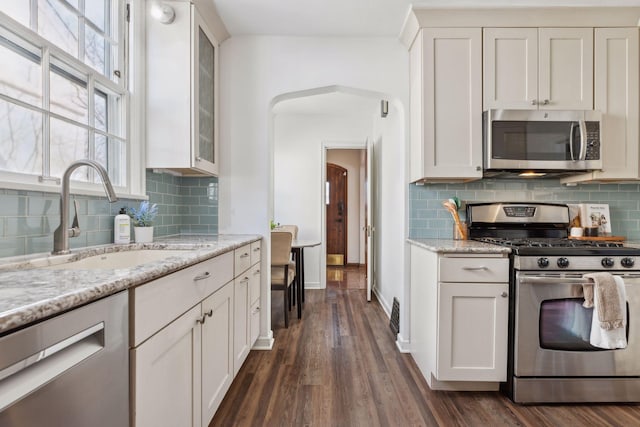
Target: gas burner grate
<point>549,243</point>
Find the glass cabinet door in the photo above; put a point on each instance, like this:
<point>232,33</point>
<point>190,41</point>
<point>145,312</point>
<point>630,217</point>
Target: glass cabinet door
<point>205,130</point>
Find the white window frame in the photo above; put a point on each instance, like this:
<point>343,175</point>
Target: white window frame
<point>130,87</point>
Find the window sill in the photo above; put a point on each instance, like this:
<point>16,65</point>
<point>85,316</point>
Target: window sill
<point>78,188</point>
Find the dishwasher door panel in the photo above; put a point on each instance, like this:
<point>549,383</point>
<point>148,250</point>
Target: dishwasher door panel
<point>70,370</point>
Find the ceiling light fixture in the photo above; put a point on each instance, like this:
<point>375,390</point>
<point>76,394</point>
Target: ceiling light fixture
<point>163,12</point>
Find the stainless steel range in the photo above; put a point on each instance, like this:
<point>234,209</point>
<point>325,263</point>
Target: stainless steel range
<point>550,355</point>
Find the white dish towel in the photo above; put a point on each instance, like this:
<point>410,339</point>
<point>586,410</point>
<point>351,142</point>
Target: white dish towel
<point>614,338</point>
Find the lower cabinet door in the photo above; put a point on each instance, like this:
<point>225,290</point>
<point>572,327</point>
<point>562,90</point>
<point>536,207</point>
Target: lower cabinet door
<point>167,375</point>
<point>472,332</point>
<point>254,322</point>
<point>217,350</point>
<point>241,334</point>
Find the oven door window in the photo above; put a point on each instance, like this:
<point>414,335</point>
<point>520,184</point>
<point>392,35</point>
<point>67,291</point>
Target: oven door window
<point>566,325</point>
<point>527,140</point>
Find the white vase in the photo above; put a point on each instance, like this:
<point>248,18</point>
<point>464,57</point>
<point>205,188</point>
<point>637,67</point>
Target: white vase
<point>143,234</point>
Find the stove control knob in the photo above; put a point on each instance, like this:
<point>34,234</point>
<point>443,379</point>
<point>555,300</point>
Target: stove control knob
<point>563,262</point>
<point>627,262</point>
<point>543,262</point>
<point>607,262</point>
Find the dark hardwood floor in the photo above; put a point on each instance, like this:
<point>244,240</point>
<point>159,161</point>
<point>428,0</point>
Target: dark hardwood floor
<point>339,366</point>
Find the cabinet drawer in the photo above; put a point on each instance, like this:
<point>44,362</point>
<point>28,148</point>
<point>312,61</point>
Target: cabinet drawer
<point>256,252</point>
<point>254,283</point>
<point>157,303</point>
<point>242,259</point>
<point>494,270</point>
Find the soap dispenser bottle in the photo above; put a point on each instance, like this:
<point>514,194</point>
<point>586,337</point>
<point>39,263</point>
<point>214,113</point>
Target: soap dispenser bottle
<point>122,228</point>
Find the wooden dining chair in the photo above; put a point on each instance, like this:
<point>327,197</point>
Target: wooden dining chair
<point>283,270</point>
<point>294,290</point>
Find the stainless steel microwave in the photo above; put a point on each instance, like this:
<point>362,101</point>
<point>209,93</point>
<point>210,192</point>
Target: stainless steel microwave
<point>539,142</point>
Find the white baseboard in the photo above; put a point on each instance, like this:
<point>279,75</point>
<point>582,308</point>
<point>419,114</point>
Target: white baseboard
<point>386,307</point>
<point>312,285</point>
<point>264,343</point>
<point>403,345</point>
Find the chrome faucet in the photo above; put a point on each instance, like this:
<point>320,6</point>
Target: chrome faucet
<point>62,233</point>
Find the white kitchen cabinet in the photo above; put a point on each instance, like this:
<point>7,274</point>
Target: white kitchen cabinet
<point>217,349</point>
<point>182,329</point>
<point>617,97</point>
<point>459,316</point>
<point>545,68</point>
<point>446,105</point>
<point>241,322</point>
<point>166,375</point>
<point>246,300</point>
<point>182,93</point>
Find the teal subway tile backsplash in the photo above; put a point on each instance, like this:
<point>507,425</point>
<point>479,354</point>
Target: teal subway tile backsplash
<point>428,219</point>
<point>28,218</point>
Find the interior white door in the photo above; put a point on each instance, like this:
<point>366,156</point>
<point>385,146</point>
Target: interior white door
<point>369,228</point>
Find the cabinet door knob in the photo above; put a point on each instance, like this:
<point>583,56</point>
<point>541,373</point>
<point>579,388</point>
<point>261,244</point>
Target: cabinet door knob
<point>244,255</point>
<point>504,295</point>
<point>209,313</point>
<point>545,102</point>
<point>478,168</point>
<point>534,102</point>
<point>202,319</point>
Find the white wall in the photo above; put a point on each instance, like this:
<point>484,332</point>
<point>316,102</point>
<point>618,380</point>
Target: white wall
<point>297,174</point>
<point>255,70</point>
<point>351,160</point>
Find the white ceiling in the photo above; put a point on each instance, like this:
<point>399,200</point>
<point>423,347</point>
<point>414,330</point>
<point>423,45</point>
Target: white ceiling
<point>351,17</point>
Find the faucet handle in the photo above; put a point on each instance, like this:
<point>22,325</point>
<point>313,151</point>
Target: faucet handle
<point>74,231</point>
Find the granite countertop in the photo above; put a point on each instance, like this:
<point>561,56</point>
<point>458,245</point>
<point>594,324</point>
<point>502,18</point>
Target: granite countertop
<point>29,291</point>
<point>458,246</point>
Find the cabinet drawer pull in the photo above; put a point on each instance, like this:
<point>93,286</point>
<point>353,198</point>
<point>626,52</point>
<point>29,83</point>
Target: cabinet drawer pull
<point>244,255</point>
<point>203,276</point>
<point>482,267</point>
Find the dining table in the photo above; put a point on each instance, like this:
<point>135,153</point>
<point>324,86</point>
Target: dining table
<point>297,249</point>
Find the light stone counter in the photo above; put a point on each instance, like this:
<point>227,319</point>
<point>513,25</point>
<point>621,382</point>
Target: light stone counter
<point>458,246</point>
<point>30,292</point>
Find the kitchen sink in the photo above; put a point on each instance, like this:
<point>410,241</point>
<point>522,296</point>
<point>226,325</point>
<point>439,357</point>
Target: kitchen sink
<point>116,260</point>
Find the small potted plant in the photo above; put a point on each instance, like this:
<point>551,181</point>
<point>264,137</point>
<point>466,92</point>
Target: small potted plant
<point>143,221</point>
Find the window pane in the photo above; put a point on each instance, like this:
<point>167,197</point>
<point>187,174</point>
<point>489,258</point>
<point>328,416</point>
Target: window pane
<point>117,161</point>
<point>111,152</point>
<point>94,51</point>
<point>16,9</point>
<point>68,144</point>
<point>68,95</point>
<point>100,111</point>
<point>20,74</point>
<point>74,3</point>
<point>58,25</point>
<point>20,139</point>
<point>94,11</point>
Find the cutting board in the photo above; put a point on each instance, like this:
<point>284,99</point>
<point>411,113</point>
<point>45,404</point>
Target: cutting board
<point>600,238</point>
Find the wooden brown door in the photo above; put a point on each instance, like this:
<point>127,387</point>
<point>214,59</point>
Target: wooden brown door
<point>336,215</point>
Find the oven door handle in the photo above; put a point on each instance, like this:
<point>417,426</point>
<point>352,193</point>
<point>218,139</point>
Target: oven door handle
<point>546,280</point>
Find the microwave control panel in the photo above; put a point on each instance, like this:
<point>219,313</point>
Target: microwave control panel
<point>593,141</point>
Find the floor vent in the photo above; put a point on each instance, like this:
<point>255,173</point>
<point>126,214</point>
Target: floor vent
<point>394,322</point>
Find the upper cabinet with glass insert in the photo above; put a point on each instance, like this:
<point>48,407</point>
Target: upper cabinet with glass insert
<point>182,93</point>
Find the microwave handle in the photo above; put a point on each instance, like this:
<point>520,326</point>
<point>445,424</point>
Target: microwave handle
<point>571,132</point>
<point>583,140</point>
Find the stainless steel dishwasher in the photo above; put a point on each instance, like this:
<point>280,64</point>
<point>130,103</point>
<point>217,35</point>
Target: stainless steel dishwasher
<point>71,370</point>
